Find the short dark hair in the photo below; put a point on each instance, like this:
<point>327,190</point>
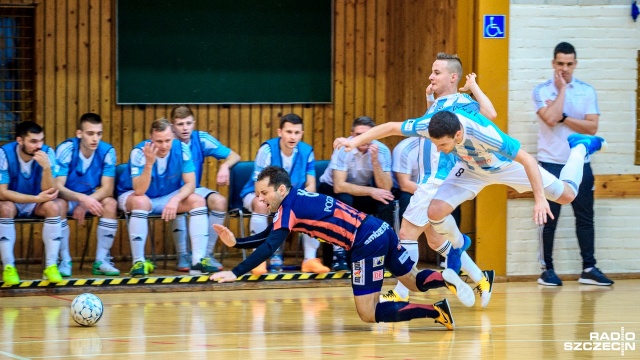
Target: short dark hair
<point>362,120</point>
<point>564,48</point>
<point>24,128</point>
<point>91,118</point>
<point>444,124</point>
<point>277,176</point>
<point>291,118</point>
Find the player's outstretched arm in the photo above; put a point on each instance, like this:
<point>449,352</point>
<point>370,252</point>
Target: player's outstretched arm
<point>377,132</point>
<point>541,209</point>
<point>225,235</point>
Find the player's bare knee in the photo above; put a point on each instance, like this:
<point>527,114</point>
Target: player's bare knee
<point>139,202</point>
<point>63,206</point>
<point>110,206</point>
<point>367,316</point>
<point>259,207</point>
<point>49,209</point>
<point>195,201</point>
<point>436,210</point>
<point>8,210</point>
<point>217,202</point>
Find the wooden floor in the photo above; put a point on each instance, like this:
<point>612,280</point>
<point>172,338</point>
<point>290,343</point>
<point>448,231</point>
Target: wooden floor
<point>523,321</point>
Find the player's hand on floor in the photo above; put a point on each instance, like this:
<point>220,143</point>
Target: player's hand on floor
<point>225,235</point>
<point>223,276</point>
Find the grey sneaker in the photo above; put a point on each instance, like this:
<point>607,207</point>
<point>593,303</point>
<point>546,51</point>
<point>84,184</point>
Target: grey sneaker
<point>65,268</point>
<point>213,262</point>
<point>184,262</point>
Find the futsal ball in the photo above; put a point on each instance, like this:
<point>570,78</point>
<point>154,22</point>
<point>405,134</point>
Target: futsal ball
<point>86,309</point>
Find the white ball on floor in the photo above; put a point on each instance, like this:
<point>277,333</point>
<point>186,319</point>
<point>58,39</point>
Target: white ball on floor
<point>86,309</point>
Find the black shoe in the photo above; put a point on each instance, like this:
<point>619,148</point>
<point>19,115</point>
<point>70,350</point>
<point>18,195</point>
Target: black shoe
<point>549,278</point>
<point>594,277</point>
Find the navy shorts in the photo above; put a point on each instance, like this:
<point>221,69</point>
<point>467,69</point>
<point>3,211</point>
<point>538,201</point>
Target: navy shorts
<point>375,248</point>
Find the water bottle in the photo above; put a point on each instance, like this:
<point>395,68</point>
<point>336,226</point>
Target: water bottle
<point>275,264</point>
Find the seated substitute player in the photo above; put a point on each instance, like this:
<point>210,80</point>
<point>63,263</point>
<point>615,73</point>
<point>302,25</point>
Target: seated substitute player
<point>434,168</point>
<point>27,188</point>
<point>161,180</point>
<point>297,158</point>
<point>86,179</point>
<point>360,178</point>
<point>487,156</point>
<point>371,242</point>
<point>202,145</point>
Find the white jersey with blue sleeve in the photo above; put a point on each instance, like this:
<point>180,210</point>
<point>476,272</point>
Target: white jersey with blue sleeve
<point>212,146</point>
<point>405,157</point>
<point>484,147</point>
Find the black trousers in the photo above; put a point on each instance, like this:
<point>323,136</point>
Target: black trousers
<point>583,210</point>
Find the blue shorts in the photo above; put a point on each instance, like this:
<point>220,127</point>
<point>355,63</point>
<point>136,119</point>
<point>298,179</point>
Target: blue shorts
<point>376,246</point>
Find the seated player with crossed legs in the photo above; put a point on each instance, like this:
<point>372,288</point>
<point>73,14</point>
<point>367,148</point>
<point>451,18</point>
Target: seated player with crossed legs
<point>371,243</point>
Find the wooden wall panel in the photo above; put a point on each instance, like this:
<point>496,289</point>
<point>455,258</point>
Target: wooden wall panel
<point>75,73</point>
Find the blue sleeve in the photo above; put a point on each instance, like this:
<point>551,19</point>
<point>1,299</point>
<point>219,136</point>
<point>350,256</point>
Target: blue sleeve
<point>187,163</point>
<point>263,159</point>
<point>109,165</point>
<point>64,152</point>
<point>137,162</point>
<point>212,147</point>
<point>311,165</point>
<point>4,168</point>
<point>510,146</point>
<point>55,168</point>
<point>416,127</point>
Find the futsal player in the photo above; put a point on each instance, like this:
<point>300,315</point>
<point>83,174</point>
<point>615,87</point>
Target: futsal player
<point>372,244</point>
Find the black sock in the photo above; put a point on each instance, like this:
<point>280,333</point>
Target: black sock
<point>429,279</point>
<point>403,311</point>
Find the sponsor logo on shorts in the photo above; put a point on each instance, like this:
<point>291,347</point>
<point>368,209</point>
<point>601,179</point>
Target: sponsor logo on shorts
<point>377,233</point>
<point>403,257</point>
<point>378,275</point>
<point>378,261</point>
<point>357,275</point>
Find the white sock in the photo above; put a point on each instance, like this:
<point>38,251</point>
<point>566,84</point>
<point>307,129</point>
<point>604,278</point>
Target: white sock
<point>138,231</point>
<point>258,223</point>
<point>106,234</point>
<point>65,256</point>
<point>7,241</point>
<point>414,253</point>
<point>198,233</point>
<point>179,231</point>
<point>571,173</point>
<point>448,228</point>
<point>51,237</point>
<point>215,218</point>
<point>468,265</point>
<point>311,246</point>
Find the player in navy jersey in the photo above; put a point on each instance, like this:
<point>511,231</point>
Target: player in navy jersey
<point>27,188</point>
<point>371,243</point>
<point>202,145</point>
<point>86,179</point>
<point>487,156</point>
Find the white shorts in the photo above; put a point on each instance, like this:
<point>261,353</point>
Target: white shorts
<point>416,212</point>
<point>25,209</point>
<point>157,204</point>
<point>247,201</point>
<point>463,184</point>
<point>204,192</point>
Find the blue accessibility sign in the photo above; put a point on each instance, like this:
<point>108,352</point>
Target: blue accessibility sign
<point>494,26</point>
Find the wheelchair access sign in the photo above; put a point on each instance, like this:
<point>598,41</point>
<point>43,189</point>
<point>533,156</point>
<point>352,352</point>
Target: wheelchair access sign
<point>494,26</point>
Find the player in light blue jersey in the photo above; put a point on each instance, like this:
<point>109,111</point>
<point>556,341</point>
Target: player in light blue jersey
<point>487,156</point>
<point>161,180</point>
<point>202,145</point>
<point>297,158</point>
<point>27,188</point>
<point>434,168</point>
<point>86,179</point>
